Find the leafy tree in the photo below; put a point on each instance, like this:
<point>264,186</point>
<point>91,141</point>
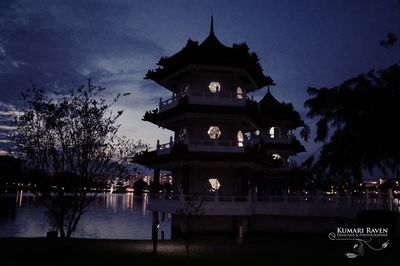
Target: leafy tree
<point>192,208</point>
<point>391,39</point>
<point>139,186</point>
<point>359,118</point>
<point>72,140</point>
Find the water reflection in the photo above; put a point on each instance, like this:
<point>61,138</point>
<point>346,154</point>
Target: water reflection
<point>144,204</point>
<point>7,209</point>
<point>110,216</point>
<point>129,201</point>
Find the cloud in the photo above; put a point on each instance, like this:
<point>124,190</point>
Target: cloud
<point>50,44</point>
<point>7,113</point>
<point>60,45</point>
<point>6,106</point>
<point>10,128</point>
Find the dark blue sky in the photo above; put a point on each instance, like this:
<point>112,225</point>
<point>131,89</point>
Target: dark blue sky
<point>59,44</point>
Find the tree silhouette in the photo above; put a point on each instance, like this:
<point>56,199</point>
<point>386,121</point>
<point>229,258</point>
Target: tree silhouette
<point>139,187</point>
<point>361,115</point>
<point>390,40</point>
<point>72,140</point>
<point>10,171</point>
<point>191,208</point>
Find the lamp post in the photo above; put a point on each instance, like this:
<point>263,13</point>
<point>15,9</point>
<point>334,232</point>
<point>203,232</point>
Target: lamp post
<point>154,235</point>
<point>156,222</point>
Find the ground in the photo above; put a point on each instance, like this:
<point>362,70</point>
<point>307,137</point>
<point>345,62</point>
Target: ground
<point>222,250</point>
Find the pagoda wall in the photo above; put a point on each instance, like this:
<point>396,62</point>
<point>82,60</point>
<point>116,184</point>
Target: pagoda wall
<point>195,180</point>
<point>199,82</point>
<point>197,129</point>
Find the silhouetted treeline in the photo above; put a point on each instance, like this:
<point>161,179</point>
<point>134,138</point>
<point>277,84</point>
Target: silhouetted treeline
<point>356,121</point>
<point>11,171</point>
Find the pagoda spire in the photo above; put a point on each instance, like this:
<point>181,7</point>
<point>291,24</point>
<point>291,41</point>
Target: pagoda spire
<point>212,26</point>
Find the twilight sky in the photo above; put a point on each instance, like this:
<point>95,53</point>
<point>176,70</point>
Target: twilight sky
<point>59,44</point>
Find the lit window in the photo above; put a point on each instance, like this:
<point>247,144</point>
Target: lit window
<point>240,138</point>
<point>214,184</point>
<point>274,132</point>
<point>182,134</point>
<point>214,132</point>
<point>214,86</point>
<point>276,156</point>
<point>239,93</point>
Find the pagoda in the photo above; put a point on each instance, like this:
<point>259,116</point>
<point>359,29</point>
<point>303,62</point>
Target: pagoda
<point>227,150</point>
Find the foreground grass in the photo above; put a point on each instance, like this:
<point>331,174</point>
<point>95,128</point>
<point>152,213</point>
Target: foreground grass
<point>269,250</point>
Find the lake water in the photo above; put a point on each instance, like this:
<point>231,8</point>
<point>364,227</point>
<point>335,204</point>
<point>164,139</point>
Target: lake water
<point>109,216</point>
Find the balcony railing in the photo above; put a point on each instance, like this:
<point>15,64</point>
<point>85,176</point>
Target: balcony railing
<point>206,99</point>
<point>218,99</point>
<point>214,145</point>
<point>321,205</point>
<point>286,139</point>
<point>209,145</point>
<point>164,148</point>
<point>168,104</point>
<point>280,140</point>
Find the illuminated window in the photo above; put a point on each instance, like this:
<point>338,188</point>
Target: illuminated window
<point>214,184</point>
<point>274,132</point>
<point>239,93</point>
<point>276,156</point>
<point>214,86</point>
<point>240,138</point>
<point>214,132</point>
<point>182,134</point>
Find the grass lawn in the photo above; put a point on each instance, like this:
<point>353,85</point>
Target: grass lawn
<point>255,250</point>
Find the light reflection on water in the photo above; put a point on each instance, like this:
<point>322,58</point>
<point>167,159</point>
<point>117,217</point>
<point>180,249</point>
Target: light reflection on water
<point>109,216</point>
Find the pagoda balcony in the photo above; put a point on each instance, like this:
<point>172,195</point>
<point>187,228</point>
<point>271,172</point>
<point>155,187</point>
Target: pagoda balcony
<point>304,205</point>
<point>204,99</point>
<point>206,145</point>
<point>287,139</point>
<point>164,148</point>
<point>168,104</point>
<point>215,145</point>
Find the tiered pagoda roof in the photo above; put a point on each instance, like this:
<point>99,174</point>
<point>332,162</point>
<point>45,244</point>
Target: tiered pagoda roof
<point>250,110</point>
<point>180,152</point>
<point>212,52</point>
<point>267,113</point>
<point>272,110</point>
